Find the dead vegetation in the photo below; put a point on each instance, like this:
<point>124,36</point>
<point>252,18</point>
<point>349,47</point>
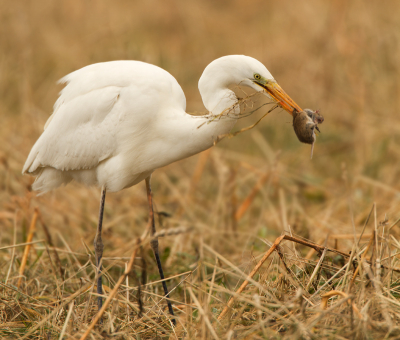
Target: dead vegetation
<point>333,275</point>
<point>297,289</point>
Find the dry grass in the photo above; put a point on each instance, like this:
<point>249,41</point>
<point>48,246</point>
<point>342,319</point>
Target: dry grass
<point>226,205</point>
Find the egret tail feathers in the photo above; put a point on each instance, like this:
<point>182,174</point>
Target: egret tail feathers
<point>49,179</point>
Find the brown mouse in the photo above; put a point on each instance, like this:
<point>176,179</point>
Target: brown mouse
<point>305,123</point>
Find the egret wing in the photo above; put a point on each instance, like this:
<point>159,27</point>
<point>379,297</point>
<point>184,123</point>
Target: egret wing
<point>80,134</point>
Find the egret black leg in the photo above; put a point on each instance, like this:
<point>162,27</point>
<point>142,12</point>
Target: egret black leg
<point>154,245</point>
<point>98,248</point>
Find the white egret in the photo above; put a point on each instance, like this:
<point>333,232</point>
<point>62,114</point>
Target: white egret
<point>116,122</point>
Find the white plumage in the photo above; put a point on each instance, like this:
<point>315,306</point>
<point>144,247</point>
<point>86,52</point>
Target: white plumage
<point>116,122</point>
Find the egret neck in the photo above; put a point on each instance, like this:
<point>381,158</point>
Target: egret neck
<point>198,133</point>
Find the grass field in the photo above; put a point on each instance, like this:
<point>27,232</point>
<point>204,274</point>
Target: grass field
<point>219,212</point>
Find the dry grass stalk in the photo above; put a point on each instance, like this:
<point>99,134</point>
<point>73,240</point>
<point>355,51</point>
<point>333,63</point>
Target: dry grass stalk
<point>70,309</point>
<point>316,269</point>
<point>372,238</point>
<point>13,249</point>
<point>252,273</point>
<point>233,134</point>
<point>173,231</point>
<point>349,236</point>
<point>28,246</point>
<point>312,251</point>
<point>50,242</point>
<point>203,313</point>
<point>249,199</point>
<point>57,310</point>
<point>327,296</point>
<point>200,166</point>
<point>21,244</point>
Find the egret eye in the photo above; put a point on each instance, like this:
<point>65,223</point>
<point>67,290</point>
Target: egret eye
<point>257,76</point>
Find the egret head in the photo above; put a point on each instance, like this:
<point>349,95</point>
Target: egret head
<point>244,71</point>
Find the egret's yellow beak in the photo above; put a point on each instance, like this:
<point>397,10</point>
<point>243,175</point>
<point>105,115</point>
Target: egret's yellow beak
<point>280,96</point>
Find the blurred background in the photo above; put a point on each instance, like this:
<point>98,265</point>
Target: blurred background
<point>342,57</point>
